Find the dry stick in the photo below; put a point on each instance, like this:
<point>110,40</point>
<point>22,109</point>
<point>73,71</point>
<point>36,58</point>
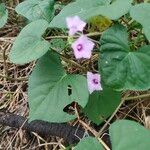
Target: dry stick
<point>7,40</point>
<point>95,134</point>
<point>43,128</point>
<point>58,144</point>
<point>112,116</point>
<point>40,145</point>
<point>13,79</point>
<point>39,137</point>
<point>136,97</point>
<point>91,130</point>
<point>11,8</point>
<point>4,61</point>
<point>8,146</point>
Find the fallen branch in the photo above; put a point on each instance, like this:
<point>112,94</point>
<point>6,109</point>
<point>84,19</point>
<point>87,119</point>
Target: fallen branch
<point>45,129</point>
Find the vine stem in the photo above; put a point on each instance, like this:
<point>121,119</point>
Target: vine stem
<point>76,36</point>
<point>69,60</point>
<point>11,39</point>
<point>72,62</point>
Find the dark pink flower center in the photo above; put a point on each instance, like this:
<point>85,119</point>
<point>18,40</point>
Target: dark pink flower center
<point>95,81</point>
<point>79,47</point>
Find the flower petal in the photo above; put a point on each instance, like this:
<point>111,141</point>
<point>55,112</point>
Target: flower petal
<point>87,45</point>
<point>91,85</point>
<point>75,24</point>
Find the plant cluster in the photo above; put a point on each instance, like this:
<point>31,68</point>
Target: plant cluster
<point>106,41</point>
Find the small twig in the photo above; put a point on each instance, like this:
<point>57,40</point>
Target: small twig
<point>123,100</point>
<point>7,39</point>
<point>103,143</point>
<point>58,144</point>
<point>112,116</point>
<point>4,60</point>
<point>95,134</point>
<point>13,79</point>
<point>10,8</point>
<point>91,130</point>
<point>9,145</point>
<point>136,97</point>
<point>40,145</point>
<point>125,21</point>
<point>88,128</point>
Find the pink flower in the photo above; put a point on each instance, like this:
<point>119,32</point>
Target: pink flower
<point>75,24</point>
<point>83,47</point>
<point>93,82</point>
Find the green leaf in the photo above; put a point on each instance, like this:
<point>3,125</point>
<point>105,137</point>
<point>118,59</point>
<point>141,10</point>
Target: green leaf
<point>30,45</point>
<point>89,143</point>
<point>3,15</point>
<point>121,68</point>
<point>102,104</point>
<point>129,135</point>
<point>36,9</point>
<point>48,90</point>
<point>141,14</point>
<point>58,44</point>
<point>89,8</point>
<point>99,23</point>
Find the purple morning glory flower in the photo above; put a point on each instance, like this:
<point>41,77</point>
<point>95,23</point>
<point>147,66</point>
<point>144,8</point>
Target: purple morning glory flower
<point>75,24</point>
<point>93,82</point>
<point>83,47</point>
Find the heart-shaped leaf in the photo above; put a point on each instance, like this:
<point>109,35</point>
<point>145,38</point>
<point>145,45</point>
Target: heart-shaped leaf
<point>89,8</point>
<point>141,13</point>
<point>48,90</point>
<point>129,135</point>
<point>30,45</point>
<point>102,104</point>
<point>89,143</point>
<point>3,15</point>
<point>36,9</point>
<point>121,68</point>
